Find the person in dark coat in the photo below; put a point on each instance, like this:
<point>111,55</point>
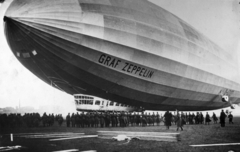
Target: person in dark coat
<point>138,119</point>
<point>60,120</point>
<point>77,120</point>
<point>113,119</point>
<point>190,117</point>
<point>144,120</point>
<point>97,119</point>
<point>180,121</point>
<point>197,118</point>
<point>102,121</point>
<point>215,119</point>
<point>230,118</point>
<point>168,119</point>
<point>201,118</point>
<point>158,119</point>
<point>68,119</point>
<point>222,118</point>
<point>73,120</point>
<point>44,119</point>
<point>207,119</point>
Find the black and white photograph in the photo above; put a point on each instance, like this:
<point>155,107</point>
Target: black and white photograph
<point>120,75</point>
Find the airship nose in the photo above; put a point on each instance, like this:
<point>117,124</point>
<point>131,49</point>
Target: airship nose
<point>17,36</point>
<point>31,25</point>
<point>42,38</point>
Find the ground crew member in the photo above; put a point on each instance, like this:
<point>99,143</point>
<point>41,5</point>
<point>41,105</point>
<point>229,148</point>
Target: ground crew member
<point>222,118</point>
<point>230,117</point>
<point>207,119</point>
<point>179,120</point>
<point>168,119</point>
<point>68,118</point>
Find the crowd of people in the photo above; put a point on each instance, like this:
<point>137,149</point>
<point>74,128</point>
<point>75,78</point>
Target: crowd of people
<point>181,119</point>
<point>29,120</point>
<point>113,119</point>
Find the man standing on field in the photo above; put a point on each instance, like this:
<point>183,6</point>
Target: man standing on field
<point>230,117</point>
<point>222,118</point>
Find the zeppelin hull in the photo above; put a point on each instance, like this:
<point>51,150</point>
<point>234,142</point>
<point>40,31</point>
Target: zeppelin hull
<point>126,51</point>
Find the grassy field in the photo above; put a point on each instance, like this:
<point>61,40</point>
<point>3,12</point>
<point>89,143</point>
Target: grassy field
<point>191,135</point>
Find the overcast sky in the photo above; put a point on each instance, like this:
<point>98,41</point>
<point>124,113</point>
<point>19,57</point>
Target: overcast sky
<point>216,19</point>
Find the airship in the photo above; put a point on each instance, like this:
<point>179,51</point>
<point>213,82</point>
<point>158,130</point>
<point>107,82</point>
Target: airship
<point>128,51</point>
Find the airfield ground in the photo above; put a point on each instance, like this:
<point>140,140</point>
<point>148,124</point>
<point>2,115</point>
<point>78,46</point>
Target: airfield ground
<point>191,135</point>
